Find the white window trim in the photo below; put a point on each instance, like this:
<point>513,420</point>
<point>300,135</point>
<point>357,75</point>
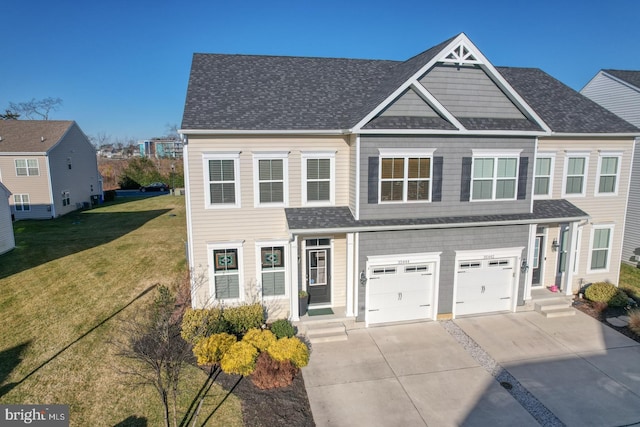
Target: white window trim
<point>238,245</point>
<point>331,155</point>
<point>15,163</point>
<point>601,155</point>
<point>264,243</point>
<point>66,194</point>
<point>543,155</point>
<point>28,205</point>
<point>495,155</point>
<point>609,248</point>
<point>235,156</point>
<point>272,155</point>
<point>573,155</point>
<point>406,154</point>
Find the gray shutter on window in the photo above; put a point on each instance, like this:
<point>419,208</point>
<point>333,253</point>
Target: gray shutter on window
<point>465,180</point>
<point>437,179</point>
<point>522,178</point>
<point>374,164</point>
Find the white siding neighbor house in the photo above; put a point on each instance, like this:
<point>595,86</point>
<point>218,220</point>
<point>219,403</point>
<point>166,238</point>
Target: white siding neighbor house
<point>7,238</point>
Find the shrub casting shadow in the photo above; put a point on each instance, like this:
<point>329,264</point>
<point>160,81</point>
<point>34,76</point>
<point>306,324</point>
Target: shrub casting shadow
<point>132,421</point>
<point>9,360</point>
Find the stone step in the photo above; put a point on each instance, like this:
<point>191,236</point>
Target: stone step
<point>551,304</point>
<point>326,332</point>
<point>320,338</point>
<point>558,312</point>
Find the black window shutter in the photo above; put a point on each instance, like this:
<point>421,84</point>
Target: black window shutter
<point>373,179</point>
<point>436,196</point>
<point>465,181</point>
<point>522,178</point>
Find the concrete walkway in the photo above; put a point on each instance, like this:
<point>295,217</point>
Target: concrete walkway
<point>418,374</point>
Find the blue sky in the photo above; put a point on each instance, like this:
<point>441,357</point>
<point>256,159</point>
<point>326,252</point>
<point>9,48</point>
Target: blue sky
<point>122,67</point>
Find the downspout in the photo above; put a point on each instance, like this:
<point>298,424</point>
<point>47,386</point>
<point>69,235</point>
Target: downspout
<point>53,202</point>
<point>187,198</point>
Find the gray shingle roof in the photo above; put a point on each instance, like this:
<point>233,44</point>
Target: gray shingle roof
<point>629,76</point>
<point>340,218</point>
<point>25,136</point>
<point>562,108</point>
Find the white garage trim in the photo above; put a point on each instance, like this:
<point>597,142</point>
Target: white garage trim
<point>394,262</point>
<point>485,256</point>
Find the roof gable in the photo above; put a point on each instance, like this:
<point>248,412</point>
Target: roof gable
<point>628,76</point>
<point>31,136</point>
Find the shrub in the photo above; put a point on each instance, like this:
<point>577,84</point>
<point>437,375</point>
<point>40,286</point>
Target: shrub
<point>634,321</point>
<point>260,339</point>
<point>290,349</point>
<point>211,350</point>
<point>606,292</point>
<point>201,323</point>
<point>109,195</point>
<point>243,317</point>
<point>270,373</point>
<point>599,306</point>
<point>283,328</point>
<point>239,359</point>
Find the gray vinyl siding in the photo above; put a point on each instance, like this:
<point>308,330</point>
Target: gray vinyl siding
<point>631,244</point>
<point>409,104</point>
<point>7,240</point>
<point>619,98</point>
<point>452,150</point>
<point>467,91</point>
<point>447,241</point>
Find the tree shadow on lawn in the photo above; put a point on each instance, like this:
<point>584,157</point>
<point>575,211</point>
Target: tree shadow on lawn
<point>9,360</point>
<point>132,421</point>
<point>41,241</point>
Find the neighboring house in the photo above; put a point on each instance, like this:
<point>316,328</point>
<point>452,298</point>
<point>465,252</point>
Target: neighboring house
<point>619,92</point>
<point>50,167</point>
<point>161,148</point>
<point>436,187</point>
<point>7,238</point>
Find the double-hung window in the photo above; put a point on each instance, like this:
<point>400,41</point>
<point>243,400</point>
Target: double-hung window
<point>272,259</point>
<point>318,171</point>
<point>27,167</point>
<point>21,202</point>
<point>608,174</point>
<point>222,185</point>
<point>405,176</point>
<point>543,181</point>
<point>66,198</point>
<point>601,237</point>
<point>494,175</point>
<point>575,173</point>
<point>226,271</point>
<point>270,178</point>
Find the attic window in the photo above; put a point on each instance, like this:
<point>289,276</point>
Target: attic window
<point>461,55</point>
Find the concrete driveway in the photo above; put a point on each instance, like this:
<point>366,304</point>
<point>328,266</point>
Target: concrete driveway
<point>571,370</point>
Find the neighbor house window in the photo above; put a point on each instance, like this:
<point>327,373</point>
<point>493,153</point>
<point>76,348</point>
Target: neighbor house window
<point>575,174</point>
<point>21,202</point>
<point>543,176</point>
<point>226,272</point>
<point>495,176</point>
<point>601,237</point>
<point>222,180</point>
<point>318,186</point>
<point>270,179</point>
<point>405,176</point>
<point>27,167</point>
<point>66,198</point>
<point>608,174</point>
<point>272,267</point>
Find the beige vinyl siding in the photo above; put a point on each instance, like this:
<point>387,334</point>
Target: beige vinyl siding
<point>603,209</point>
<point>37,187</point>
<point>339,275</point>
<point>247,223</point>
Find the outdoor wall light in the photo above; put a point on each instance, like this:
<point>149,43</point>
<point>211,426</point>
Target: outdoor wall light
<point>555,245</point>
<point>363,278</point>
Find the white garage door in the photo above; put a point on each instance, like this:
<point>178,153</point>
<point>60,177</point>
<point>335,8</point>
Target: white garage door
<point>484,286</point>
<point>400,292</point>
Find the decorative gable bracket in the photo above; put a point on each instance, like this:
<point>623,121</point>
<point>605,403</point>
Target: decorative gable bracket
<point>461,54</point>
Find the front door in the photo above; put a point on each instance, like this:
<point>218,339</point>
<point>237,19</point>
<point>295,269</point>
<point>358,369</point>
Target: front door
<point>318,276</point>
<point>538,258</point>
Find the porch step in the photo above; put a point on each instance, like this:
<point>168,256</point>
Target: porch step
<point>558,312</point>
<point>554,307</point>
<point>326,332</point>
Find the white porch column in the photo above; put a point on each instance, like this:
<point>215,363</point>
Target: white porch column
<point>529,260</point>
<point>572,237</point>
<point>293,279</point>
<point>350,275</point>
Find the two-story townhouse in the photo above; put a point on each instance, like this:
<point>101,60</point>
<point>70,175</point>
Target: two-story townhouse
<point>394,191</point>
<point>50,167</point>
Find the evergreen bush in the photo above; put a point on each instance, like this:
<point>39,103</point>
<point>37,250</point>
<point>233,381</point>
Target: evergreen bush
<point>239,359</point>
<point>201,323</point>
<point>210,350</point>
<point>241,318</point>
<point>260,339</point>
<point>607,293</point>
<point>290,349</point>
<point>283,328</point>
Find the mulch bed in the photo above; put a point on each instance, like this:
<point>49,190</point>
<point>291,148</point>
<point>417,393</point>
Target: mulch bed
<point>285,406</point>
<point>586,307</point>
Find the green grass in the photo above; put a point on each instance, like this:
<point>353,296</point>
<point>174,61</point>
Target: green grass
<point>63,291</point>
<point>630,280</point>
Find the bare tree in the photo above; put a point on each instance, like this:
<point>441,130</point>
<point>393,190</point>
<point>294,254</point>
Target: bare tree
<point>9,115</point>
<point>36,108</point>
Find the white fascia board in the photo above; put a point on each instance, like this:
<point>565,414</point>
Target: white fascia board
<point>452,132</point>
<point>263,132</point>
<point>617,80</point>
<point>24,153</point>
<point>594,135</point>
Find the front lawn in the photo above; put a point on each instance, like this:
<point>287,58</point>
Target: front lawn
<point>63,291</point>
<point>630,280</point>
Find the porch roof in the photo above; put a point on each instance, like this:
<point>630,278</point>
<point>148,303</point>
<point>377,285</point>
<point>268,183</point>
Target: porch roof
<point>340,219</point>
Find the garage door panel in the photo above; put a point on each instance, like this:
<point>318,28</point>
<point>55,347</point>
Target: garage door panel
<point>484,286</point>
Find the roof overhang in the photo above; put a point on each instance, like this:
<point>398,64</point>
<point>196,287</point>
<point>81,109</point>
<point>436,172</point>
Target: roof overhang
<point>234,132</point>
<point>24,153</point>
<point>593,135</point>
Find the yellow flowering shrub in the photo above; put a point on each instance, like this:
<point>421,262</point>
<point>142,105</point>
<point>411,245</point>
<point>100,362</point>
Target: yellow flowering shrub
<point>290,349</point>
<point>239,359</point>
<point>200,323</point>
<point>260,339</point>
<point>211,350</point>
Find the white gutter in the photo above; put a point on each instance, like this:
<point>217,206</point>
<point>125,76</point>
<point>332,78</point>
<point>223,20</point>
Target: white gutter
<point>264,132</point>
<point>594,135</point>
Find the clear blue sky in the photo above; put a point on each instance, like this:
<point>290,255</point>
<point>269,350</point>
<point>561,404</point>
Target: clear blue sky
<point>121,67</point>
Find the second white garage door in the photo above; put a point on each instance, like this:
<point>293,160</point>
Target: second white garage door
<point>400,292</point>
<point>484,285</point>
